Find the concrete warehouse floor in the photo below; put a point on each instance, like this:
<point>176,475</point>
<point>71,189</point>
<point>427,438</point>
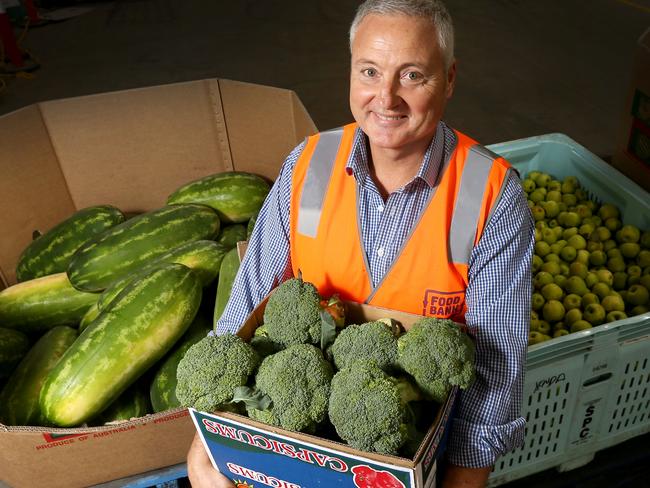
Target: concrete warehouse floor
<point>525,68</point>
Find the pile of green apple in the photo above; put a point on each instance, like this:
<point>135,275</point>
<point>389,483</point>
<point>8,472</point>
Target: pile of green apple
<point>588,268</point>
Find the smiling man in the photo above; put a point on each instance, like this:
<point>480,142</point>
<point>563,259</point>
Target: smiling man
<point>401,211</point>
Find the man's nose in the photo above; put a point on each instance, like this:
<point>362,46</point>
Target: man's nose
<point>389,92</point>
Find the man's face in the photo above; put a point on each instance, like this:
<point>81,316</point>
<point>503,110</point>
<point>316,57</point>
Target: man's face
<point>398,84</point>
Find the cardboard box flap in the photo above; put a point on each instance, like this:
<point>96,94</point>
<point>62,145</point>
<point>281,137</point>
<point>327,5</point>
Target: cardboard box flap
<point>263,123</point>
<point>132,148</point>
<point>33,191</point>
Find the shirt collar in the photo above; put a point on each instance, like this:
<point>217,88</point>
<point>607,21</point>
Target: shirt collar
<point>429,169</point>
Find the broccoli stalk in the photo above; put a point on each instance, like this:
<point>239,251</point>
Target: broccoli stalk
<point>297,382</point>
<point>211,370</point>
<point>370,409</point>
<point>438,355</point>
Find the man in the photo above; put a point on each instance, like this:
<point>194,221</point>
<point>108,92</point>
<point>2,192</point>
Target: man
<point>401,211</point>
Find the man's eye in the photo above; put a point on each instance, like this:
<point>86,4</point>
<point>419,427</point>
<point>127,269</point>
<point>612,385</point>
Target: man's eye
<point>413,76</point>
<point>370,72</point>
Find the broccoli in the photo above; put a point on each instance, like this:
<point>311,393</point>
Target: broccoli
<point>262,344</point>
<point>438,355</point>
<point>211,369</point>
<point>292,313</point>
<point>375,341</point>
<point>369,409</point>
<point>297,381</point>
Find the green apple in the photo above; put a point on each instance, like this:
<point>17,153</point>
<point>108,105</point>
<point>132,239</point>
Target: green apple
<point>589,298</point>
<point>628,233</point>
<point>572,301</point>
<point>594,314</point>
<point>638,295</point>
<point>552,291</point>
<point>553,311</point>
<point>572,316</point>
<point>580,325</point>
<point>614,316</point>
<point>613,303</point>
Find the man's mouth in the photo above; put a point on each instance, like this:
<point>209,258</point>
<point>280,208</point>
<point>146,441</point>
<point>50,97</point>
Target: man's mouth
<point>389,117</point>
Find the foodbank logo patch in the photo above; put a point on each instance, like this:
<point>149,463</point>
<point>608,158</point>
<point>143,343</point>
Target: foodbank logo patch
<point>443,304</point>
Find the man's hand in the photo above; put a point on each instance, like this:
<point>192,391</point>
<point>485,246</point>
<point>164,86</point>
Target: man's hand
<point>200,470</point>
<point>460,477</point>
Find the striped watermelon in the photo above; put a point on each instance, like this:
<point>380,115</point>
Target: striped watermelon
<point>19,398</point>
<point>230,235</point>
<point>42,303</point>
<point>227,274</point>
<point>163,387</point>
<point>251,225</point>
<point>134,332</point>
<point>90,315</point>
<point>13,346</point>
<point>123,249</point>
<point>133,403</point>
<point>51,252</point>
<point>202,257</point>
<point>235,195</point>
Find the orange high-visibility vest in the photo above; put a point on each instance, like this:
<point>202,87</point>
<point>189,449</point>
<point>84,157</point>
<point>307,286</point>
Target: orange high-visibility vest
<point>430,273</point>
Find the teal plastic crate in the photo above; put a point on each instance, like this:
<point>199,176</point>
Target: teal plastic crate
<point>561,156</point>
<point>590,390</point>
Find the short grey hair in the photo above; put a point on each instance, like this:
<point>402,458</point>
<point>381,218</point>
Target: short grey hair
<point>433,10</point>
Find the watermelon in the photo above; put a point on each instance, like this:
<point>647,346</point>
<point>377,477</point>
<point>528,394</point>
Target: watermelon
<point>19,397</point>
<point>230,235</point>
<point>163,386</point>
<point>227,273</point>
<point>13,346</point>
<point>202,257</point>
<point>90,315</point>
<point>123,249</point>
<point>43,303</point>
<point>251,225</point>
<point>138,328</point>
<point>51,252</point>
<point>133,403</point>
<point>235,195</point>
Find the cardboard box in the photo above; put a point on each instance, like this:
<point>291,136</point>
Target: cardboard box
<point>130,149</point>
<point>632,156</point>
<point>256,453</point>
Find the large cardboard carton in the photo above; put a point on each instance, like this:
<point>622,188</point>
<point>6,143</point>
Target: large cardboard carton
<point>255,453</point>
<point>130,149</point>
<point>632,155</point>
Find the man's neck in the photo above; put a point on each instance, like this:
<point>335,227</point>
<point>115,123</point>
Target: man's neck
<point>391,169</point>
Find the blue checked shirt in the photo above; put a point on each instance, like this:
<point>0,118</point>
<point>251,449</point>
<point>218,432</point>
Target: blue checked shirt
<point>487,422</point>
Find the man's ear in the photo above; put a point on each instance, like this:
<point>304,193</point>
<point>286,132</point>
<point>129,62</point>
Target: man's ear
<point>451,79</point>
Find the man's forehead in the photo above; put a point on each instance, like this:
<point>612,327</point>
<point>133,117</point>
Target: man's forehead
<point>399,36</point>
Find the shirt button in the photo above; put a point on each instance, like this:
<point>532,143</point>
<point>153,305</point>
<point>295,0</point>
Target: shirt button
<point>380,208</point>
<point>380,252</point>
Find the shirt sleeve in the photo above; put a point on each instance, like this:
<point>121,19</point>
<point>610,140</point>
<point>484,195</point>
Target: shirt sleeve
<point>267,260</point>
<point>487,423</point>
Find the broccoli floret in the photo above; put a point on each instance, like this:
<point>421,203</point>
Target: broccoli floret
<point>211,369</point>
<point>375,341</point>
<point>369,409</point>
<point>263,344</point>
<point>438,355</point>
<point>292,314</point>
<point>297,380</point>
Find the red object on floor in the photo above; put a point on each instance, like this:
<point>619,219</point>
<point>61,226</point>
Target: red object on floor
<point>32,12</point>
<point>9,41</point>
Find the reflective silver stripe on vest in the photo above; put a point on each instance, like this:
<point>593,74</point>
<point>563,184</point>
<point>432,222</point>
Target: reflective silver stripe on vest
<point>467,208</point>
<point>317,181</point>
